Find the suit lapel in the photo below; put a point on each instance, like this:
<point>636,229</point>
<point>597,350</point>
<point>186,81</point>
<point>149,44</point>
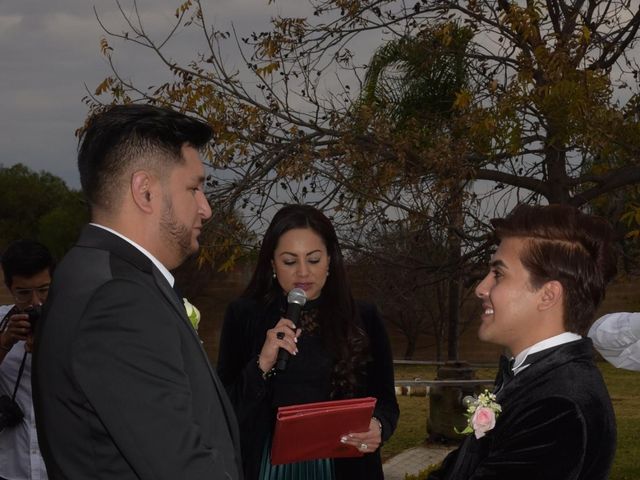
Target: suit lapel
<point>171,296</point>
<point>547,360</point>
<point>178,306</point>
<point>96,237</point>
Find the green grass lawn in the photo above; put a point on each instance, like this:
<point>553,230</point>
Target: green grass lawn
<point>624,388</point>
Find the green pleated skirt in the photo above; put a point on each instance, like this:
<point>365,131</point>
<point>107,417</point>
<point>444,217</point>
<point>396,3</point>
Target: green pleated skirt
<point>321,469</point>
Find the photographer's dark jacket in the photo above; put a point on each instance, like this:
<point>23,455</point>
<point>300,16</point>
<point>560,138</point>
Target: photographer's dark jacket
<point>307,379</point>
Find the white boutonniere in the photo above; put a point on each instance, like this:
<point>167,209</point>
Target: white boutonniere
<point>192,312</point>
<point>482,412</point>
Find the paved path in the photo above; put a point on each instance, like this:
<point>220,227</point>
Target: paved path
<point>413,460</point>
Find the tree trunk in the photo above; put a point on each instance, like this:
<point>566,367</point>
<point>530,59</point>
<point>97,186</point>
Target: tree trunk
<point>556,170</point>
<point>454,318</point>
<point>455,246</point>
<point>411,347</point>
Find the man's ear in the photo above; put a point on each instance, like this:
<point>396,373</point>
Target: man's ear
<point>551,295</point>
<point>141,183</point>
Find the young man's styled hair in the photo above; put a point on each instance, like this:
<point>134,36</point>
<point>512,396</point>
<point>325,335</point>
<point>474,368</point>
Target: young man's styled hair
<point>126,137</point>
<point>25,258</point>
<point>568,246</point>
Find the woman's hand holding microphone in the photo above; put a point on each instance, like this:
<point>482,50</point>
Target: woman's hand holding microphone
<point>283,335</point>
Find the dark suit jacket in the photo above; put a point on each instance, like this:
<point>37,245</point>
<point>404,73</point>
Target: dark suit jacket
<point>122,386</point>
<point>557,423</point>
<point>243,334</point>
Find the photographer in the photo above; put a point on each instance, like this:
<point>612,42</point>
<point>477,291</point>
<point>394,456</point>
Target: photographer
<point>27,267</point>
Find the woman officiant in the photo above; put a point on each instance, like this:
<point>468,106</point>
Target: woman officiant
<point>339,349</point>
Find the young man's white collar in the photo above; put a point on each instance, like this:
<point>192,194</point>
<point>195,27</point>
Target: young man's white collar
<point>155,261</point>
<point>550,342</point>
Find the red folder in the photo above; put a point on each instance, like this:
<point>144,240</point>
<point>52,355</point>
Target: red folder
<point>313,430</point>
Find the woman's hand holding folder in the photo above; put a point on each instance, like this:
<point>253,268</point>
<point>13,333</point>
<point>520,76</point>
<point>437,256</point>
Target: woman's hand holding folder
<point>368,441</point>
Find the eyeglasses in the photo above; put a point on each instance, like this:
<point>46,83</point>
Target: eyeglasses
<point>24,295</point>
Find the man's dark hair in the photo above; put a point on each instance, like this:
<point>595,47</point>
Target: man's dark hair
<point>125,136</point>
<point>25,258</point>
<point>568,246</point>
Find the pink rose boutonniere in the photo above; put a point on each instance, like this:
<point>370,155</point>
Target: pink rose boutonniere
<point>482,412</point>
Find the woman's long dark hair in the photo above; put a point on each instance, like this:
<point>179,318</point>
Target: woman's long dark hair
<point>338,315</point>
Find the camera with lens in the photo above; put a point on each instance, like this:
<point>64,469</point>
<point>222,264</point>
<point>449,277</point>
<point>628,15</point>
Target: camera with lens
<point>10,413</point>
<point>34,314</point>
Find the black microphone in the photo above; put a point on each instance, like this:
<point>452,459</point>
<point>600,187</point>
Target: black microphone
<point>296,299</point>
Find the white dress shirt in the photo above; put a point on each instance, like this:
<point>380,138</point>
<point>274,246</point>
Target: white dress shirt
<point>519,362</point>
<point>617,337</point>
<point>20,457</point>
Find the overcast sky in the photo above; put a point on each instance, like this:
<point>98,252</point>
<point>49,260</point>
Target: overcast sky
<point>49,51</point>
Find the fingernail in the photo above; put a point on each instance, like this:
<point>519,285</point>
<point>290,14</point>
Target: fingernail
<point>343,440</point>
<point>295,339</point>
<point>296,352</point>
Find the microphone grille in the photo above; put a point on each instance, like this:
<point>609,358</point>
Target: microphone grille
<point>297,296</point>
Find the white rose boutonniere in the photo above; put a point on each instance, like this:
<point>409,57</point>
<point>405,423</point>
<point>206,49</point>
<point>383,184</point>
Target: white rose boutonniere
<point>192,312</point>
<point>482,412</point>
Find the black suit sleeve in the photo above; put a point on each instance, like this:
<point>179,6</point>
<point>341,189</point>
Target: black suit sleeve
<point>128,361</point>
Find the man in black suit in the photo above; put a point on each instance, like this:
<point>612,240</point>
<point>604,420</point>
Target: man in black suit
<point>123,388</point>
<point>546,280</point>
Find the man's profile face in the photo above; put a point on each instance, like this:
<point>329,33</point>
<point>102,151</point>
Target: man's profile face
<point>30,291</point>
<point>184,207</point>
<point>509,302</point>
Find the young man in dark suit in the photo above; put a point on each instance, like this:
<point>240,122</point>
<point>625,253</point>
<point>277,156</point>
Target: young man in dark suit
<point>539,298</point>
<point>123,388</point>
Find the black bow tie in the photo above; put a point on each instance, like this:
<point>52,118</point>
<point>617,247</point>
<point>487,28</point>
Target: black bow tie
<point>505,373</point>
<point>506,367</point>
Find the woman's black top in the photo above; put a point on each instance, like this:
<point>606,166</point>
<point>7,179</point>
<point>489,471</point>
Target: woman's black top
<point>306,379</point>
